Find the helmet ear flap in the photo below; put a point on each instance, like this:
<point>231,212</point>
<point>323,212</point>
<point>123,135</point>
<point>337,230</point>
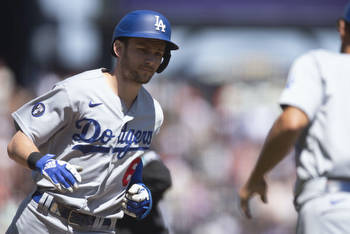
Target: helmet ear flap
<point>165,62</point>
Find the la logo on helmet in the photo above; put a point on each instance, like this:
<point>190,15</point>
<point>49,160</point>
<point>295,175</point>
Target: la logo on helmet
<point>159,24</point>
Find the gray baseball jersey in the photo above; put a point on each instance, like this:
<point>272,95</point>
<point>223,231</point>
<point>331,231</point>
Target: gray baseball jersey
<point>83,122</point>
<point>318,84</point>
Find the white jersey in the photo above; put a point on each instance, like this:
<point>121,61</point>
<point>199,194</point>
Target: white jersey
<point>83,122</point>
<point>319,85</point>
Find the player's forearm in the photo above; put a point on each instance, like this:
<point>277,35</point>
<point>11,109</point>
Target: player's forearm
<point>276,147</point>
<point>281,139</point>
<point>20,147</point>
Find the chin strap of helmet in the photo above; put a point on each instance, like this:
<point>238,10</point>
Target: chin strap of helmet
<point>165,62</point>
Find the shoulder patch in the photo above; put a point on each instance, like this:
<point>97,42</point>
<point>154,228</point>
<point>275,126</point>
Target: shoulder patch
<point>38,109</point>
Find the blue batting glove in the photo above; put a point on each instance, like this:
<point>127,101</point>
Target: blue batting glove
<point>137,202</point>
<point>61,174</point>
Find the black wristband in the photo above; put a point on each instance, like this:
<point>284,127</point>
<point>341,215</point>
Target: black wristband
<point>33,158</point>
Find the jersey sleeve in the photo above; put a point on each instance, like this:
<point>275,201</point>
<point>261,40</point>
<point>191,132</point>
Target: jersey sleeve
<point>42,117</point>
<point>304,88</point>
<point>159,116</point>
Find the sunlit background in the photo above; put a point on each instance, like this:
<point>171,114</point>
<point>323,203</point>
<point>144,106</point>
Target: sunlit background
<point>219,93</point>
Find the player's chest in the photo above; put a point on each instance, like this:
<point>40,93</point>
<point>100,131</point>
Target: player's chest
<point>105,131</point>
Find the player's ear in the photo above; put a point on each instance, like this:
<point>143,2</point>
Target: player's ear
<point>117,48</point>
<point>341,27</point>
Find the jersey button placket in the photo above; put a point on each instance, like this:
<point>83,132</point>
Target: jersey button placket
<point>114,159</point>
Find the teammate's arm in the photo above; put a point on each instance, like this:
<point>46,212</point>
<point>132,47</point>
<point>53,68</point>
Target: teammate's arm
<point>280,140</point>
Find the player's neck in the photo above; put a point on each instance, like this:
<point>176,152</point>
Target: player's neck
<point>127,92</point>
<point>345,49</point>
<point>345,45</point>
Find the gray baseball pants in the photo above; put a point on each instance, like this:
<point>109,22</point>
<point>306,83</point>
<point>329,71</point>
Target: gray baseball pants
<point>33,220</point>
<point>326,214</point>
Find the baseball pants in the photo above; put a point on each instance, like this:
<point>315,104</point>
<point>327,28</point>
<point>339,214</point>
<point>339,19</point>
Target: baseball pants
<point>327,214</point>
<point>30,219</point>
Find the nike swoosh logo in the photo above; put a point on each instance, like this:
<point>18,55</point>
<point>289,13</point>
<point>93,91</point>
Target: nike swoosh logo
<point>334,202</point>
<point>91,104</point>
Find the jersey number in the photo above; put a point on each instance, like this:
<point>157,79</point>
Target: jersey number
<point>130,171</point>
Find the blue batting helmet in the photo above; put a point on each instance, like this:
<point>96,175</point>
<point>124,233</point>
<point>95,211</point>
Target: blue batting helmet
<point>347,13</point>
<point>146,24</point>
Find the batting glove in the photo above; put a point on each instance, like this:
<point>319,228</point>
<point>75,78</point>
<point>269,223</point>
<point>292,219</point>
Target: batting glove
<point>62,175</point>
<point>137,202</point>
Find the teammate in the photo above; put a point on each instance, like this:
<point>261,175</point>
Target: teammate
<point>315,118</point>
<point>84,138</point>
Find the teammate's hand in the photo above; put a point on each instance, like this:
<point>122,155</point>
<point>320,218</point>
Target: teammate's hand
<point>252,187</point>
<point>62,175</point>
<point>137,202</point>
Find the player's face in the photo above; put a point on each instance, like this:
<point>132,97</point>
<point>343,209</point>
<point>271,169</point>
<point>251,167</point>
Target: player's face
<point>141,58</point>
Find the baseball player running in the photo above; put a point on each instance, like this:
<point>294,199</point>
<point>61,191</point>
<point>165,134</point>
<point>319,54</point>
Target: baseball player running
<point>315,117</point>
<point>84,138</point>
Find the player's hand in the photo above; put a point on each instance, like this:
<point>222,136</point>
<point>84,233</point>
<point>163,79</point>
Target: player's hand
<point>137,202</point>
<point>252,187</point>
<point>62,175</point>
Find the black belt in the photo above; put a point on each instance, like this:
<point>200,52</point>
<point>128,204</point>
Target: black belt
<point>73,216</point>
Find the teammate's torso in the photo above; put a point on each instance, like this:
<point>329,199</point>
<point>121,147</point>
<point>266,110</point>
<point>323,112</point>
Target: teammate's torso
<point>331,125</point>
<point>323,93</point>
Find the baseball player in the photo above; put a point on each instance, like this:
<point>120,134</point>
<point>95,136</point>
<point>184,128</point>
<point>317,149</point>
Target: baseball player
<point>84,138</point>
<point>315,118</point>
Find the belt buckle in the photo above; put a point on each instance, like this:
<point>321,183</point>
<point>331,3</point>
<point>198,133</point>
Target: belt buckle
<point>70,216</point>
